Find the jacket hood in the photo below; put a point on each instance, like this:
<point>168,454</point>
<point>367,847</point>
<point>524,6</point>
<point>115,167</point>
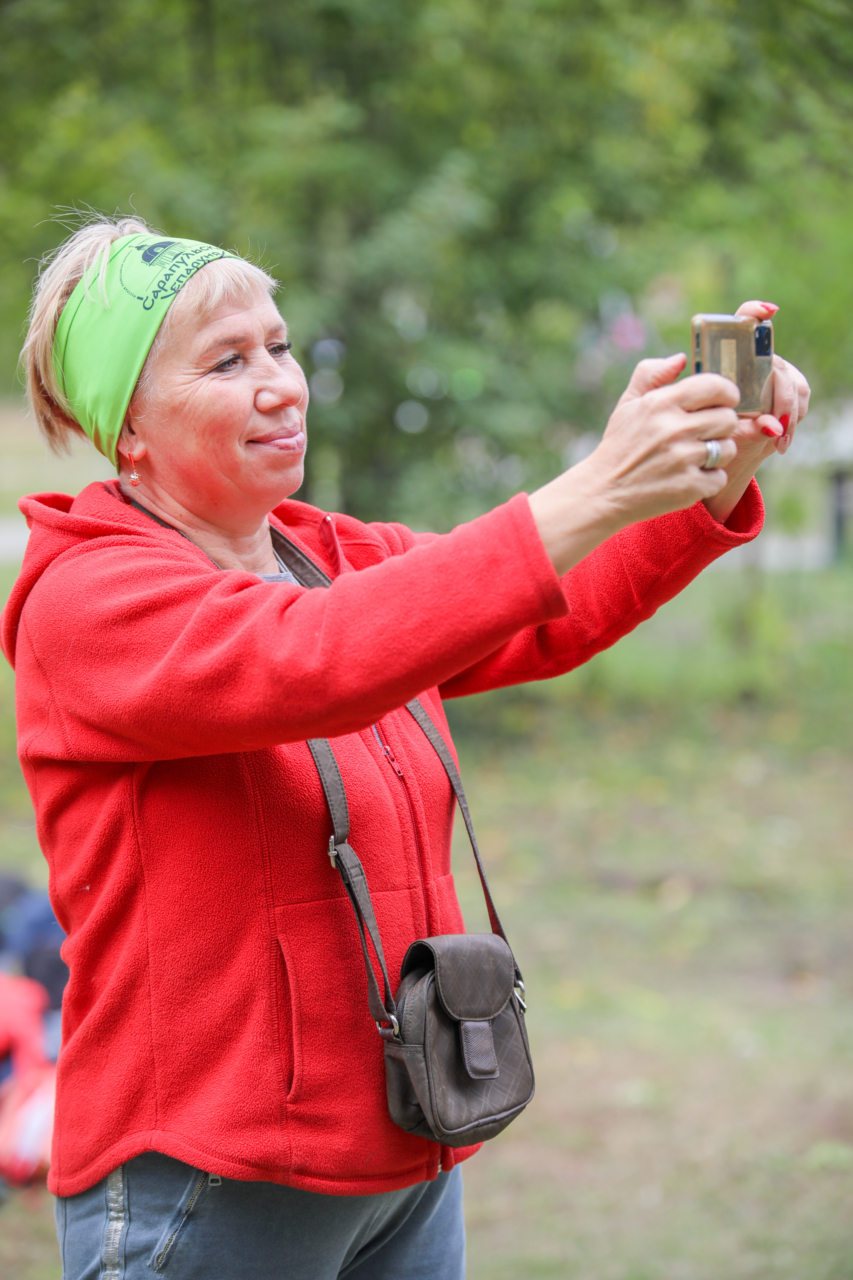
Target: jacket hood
<point>58,523</point>
<point>61,525</point>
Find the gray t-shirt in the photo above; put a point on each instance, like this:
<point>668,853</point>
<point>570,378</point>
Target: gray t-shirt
<point>284,574</point>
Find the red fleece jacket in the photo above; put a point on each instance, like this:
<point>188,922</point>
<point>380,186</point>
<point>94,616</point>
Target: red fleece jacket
<point>217,1004</point>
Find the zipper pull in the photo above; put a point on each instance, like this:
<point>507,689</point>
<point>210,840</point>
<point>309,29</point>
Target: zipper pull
<point>392,760</point>
<point>331,545</point>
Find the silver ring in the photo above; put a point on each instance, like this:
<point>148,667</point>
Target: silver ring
<point>714,453</point>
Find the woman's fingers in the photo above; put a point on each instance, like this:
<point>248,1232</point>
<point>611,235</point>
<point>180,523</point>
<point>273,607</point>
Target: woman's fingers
<point>701,391</point>
<point>709,483</point>
<point>802,390</point>
<point>728,453</point>
<point>758,310</point>
<point>713,424</point>
<point>785,398</point>
<point>652,373</point>
<point>791,397</point>
<point>764,425</point>
<point>804,398</point>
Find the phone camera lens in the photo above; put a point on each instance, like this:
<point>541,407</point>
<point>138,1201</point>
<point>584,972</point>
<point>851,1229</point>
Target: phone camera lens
<point>763,340</point>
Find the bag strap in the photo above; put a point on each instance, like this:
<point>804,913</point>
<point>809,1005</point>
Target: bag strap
<point>300,565</point>
<point>346,860</point>
<point>333,789</point>
<point>417,709</point>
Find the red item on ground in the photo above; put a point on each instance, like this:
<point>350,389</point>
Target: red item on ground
<point>22,1006</point>
<point>26,1124</point>
<point>217,1008</point>
<point>26,1097</point>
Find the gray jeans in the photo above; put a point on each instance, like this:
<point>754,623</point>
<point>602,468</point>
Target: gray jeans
<point>155,1216</point>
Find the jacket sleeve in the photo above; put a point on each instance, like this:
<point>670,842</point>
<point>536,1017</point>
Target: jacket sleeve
<point>148,652</point>
<point>618,586</point>
<point>137,648</point>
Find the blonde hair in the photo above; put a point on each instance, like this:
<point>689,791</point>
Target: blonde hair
<point>225,280</point>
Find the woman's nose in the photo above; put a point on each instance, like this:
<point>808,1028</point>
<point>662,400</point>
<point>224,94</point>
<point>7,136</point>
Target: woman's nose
<point>280,386</point>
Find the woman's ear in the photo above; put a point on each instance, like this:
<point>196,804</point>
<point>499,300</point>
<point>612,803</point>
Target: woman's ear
<point>129,443</point>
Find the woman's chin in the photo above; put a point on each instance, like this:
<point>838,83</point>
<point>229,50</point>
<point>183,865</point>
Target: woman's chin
<point>284,480</point>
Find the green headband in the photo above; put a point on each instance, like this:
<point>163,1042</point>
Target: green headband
<point>106,330</point>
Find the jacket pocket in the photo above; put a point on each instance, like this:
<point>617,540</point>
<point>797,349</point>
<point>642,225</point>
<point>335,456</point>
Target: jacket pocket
<point>189,1204</point>
<point>290,1047</point>
<point>329,1021</point>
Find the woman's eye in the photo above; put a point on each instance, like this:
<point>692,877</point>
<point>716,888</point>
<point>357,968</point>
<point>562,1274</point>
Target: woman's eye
<point>225,365</point>
<point>280,348</point>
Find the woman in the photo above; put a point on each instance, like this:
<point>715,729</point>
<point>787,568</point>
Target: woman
<point>221,1105</point>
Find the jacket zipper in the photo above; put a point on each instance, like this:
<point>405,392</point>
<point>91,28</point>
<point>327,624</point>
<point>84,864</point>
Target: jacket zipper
<point>395,765</point>
<point>164,1252</point>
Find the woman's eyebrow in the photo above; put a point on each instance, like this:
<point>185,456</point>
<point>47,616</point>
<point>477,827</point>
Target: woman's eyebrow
<point>231,340</point>
<point>240,339</point>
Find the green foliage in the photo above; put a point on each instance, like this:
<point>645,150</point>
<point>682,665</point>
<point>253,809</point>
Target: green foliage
<point>494,205</point>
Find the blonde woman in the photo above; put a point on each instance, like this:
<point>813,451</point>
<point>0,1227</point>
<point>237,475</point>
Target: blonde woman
<point>221,1107</point>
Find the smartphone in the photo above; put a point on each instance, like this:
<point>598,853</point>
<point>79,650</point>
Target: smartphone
<point>740,348</point>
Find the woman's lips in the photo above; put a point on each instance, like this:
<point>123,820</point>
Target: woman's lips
<point>283,442</point>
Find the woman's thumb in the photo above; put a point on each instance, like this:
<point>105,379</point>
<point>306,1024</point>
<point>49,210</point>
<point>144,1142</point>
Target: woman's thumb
<point>650,374</point>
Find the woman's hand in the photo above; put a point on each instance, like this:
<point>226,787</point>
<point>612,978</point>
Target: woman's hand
<point>758,438</point>
<point>649,460</point>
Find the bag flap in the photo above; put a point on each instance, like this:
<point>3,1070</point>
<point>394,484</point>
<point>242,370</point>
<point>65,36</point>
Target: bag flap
<point>474,972</point>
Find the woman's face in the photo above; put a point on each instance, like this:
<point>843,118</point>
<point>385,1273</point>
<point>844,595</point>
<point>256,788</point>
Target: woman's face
<point>222,431</point>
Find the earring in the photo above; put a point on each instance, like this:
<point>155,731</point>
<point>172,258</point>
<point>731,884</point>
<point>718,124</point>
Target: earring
<point>134,475</point>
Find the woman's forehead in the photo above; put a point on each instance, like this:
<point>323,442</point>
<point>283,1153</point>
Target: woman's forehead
<point>233,324</point>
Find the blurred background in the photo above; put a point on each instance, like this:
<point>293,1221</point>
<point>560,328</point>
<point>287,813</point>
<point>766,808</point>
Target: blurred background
<point>482,214</point>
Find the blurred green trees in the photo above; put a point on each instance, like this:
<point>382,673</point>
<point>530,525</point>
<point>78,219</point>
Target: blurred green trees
<point>482,211</point>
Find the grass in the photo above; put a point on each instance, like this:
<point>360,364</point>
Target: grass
<point>668,832</point>
<point>684,922</point>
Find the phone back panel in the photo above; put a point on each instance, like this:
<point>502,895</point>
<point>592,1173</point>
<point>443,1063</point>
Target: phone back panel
<point>726,345</point>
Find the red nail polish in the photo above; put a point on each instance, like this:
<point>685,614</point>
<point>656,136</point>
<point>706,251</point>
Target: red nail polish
<point>768,431</point>
<point>785,419</point>
<point>771,307</point>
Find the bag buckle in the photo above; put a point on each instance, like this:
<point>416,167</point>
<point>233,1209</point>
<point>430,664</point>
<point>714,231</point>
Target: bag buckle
<point>395,1027</point>
<point>333,853</point>
<point>518,988</point>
